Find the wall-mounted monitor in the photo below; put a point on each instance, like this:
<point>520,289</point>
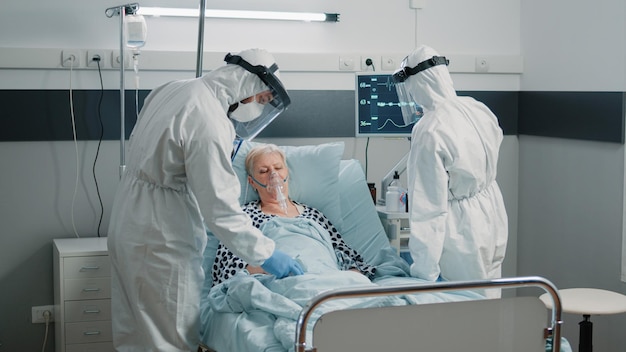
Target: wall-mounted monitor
<point>377,110</point>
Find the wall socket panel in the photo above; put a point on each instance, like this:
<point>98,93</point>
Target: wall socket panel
<point>38,314</point>
<point>104,58</point>
<point>70,58</point>
<point>115,59</point>
<point>375,64</point>
<point>390,63</point>
<point>348,62</point>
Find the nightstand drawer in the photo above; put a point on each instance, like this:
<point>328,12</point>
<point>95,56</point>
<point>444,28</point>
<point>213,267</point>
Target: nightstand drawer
<point>91,347</point>
<point>83,267</point>
<point>88,310</point>
<point>97,288</point>
<point>87,332</point>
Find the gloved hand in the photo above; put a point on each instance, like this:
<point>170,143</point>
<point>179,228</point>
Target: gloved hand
<point>281,265</point>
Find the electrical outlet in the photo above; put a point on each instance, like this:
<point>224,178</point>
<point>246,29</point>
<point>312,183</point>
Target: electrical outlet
<point>39,312</point>
<point>374,63</point>
<point>348,63</point>
<point>101,58</point>
<point>70,58</point>
<point>390,63</point>
<point>116,59</point>
<point>482,64</point>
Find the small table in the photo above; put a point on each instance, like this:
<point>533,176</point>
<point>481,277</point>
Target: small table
<point>588,301</point>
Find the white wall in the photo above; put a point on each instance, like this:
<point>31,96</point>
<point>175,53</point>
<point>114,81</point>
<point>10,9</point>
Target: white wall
<point>571,192</point>
<point>38,178</point>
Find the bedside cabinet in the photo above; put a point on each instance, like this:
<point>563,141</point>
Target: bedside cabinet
<point>82,295</point>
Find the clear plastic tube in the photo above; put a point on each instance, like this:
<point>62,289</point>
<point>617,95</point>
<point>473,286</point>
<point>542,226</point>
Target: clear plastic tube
<point>276,186</point>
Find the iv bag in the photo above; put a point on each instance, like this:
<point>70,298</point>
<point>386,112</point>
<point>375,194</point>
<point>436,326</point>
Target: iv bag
<point>136,30</point>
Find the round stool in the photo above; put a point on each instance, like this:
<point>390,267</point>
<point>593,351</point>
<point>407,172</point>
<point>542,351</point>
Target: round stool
<point>588,301</point>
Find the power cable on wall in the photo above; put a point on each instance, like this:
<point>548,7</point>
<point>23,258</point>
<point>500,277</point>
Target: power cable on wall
<point>95,160</point>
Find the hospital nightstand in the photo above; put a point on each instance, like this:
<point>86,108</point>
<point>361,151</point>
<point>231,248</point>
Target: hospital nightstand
<point>82,295</point>
<point>396,225</point>
<point>588,301</point>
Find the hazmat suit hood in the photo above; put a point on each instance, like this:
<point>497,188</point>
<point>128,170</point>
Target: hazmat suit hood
<point>245,75</point>
<point>232,83</point>
<point>430,86</point>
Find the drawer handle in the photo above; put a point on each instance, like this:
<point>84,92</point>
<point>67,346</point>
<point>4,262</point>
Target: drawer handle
<point>91,311</point>
<point>91,289</point>
<point>87,268</point>
<point>91,333</point>
<point>405,228</point>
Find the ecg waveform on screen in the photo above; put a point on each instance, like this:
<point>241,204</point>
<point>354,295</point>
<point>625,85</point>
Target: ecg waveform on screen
<point>393,123</point>
<point>376,84</point>
<point>389,84</point>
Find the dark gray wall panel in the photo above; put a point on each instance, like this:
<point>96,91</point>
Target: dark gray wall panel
<point>44,115</point>
<point>595,116</point>
<point>315,113</point>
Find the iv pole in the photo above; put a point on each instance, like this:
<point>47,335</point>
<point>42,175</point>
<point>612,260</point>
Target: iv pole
<point>122,10</point>
<point>200,39</point>
<point>132,8</point>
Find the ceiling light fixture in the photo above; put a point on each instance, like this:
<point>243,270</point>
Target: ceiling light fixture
<point>236,14</point>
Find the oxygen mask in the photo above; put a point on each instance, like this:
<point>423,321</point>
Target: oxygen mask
<point>276,187</point>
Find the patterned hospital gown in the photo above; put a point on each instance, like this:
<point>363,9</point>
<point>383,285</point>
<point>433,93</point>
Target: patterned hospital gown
<point>227,264</point>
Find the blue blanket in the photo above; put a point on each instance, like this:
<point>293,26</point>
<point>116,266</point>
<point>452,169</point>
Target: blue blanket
<point>266,308</point>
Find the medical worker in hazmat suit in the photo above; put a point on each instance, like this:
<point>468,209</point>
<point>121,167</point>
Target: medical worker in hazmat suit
<point>457,217</point>
<point>179,177</point>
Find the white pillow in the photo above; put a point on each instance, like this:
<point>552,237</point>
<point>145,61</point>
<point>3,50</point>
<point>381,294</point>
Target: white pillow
<point>313,176</point>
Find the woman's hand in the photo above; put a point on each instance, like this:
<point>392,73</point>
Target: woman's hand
<point>255,269</point>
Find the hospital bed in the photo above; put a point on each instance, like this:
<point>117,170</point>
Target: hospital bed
<point>433,317</point>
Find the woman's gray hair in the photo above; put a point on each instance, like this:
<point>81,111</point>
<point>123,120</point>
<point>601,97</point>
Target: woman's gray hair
<point>262,149</point>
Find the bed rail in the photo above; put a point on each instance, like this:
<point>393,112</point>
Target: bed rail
<point>554,330</point>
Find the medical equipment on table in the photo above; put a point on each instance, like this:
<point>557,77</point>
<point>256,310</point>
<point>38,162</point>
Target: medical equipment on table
<point>399,168</point>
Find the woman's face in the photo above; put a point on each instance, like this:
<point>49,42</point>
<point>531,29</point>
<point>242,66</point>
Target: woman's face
<point>263,166</point>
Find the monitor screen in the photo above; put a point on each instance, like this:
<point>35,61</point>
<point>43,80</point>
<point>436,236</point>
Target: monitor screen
<point>377,110</point>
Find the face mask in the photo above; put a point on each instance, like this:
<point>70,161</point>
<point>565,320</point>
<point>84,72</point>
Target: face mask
<point>247,112</point>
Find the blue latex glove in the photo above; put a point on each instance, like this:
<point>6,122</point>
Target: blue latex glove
<point>281,265</point>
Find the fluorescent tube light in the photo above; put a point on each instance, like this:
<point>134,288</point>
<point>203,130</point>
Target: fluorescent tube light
<point>256,15</point>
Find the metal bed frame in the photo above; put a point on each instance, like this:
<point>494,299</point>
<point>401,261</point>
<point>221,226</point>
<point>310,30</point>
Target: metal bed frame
<point>348,330</point>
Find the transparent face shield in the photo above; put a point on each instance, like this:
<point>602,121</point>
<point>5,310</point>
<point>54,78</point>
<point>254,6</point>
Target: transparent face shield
<point>412,111</point>
<point>255,115</point>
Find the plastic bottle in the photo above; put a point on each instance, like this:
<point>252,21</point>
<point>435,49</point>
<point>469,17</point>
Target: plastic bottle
<point>395,198</point>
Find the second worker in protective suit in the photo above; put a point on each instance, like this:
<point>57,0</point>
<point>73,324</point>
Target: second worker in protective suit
<point>180,178</point>
<point>459,226</point>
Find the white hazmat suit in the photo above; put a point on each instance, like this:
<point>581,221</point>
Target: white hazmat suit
<point>179,177</point>
<point>458,221</point>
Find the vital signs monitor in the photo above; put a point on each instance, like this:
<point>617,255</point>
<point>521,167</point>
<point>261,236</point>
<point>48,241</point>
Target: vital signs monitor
<point>377,108</point>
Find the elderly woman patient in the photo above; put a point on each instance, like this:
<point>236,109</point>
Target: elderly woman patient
<point>268,175</point>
